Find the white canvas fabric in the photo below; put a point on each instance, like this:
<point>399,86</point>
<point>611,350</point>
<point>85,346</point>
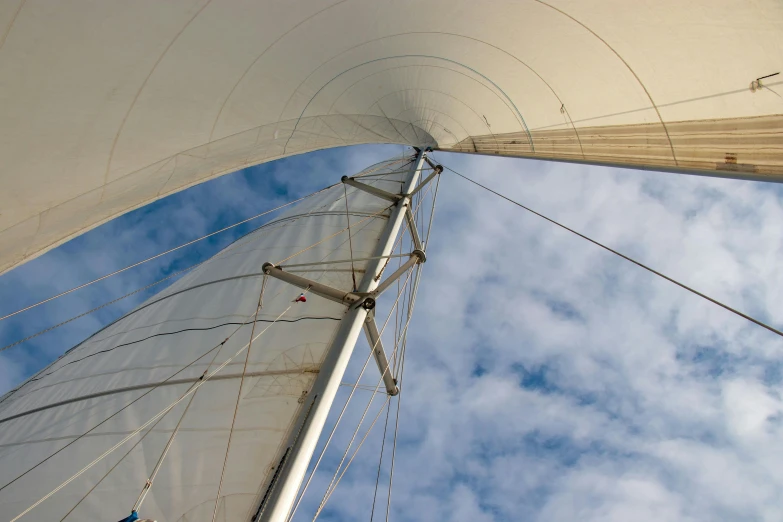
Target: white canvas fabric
<point>155,353</point>
<point>106,106</point>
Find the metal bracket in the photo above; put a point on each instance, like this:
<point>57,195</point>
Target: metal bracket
<point>438,170</point>
<point>388,196</point>
<point>371,190</point>
<point>325,291</point>
<point>366,299</point>
<point>417,256</point>
<point>374,338</point>
<point>412,228</point>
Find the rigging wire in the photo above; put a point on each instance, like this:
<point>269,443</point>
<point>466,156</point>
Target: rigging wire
<point>348,400</point>
<point>239,396</point>
<point>350,241</point>
<point>399,395</point>
<point>399,239</point>
<point>635,262</point>
<point>63,323</point>
<point>371,216</point>
<point>120,410</point>
<point>141,439</point>
<point>148,485</point>
<point>9,394</point>
<point>356,451</point>
<point>141,428</point>
<point>162,254</point>
<point>380,460</point>
<point>329,492</point>
<point>327,495</point>
<point>345,406</point>
<point>432,213</point>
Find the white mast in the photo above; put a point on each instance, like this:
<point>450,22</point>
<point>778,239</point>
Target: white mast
<point>206,383</point>
<point>282,490</point>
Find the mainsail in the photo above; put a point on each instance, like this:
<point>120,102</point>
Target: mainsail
<point>236,352</point>
<point>107,106</point>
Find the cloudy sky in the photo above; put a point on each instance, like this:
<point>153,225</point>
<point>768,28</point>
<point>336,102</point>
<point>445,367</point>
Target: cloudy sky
<point>547,380</point>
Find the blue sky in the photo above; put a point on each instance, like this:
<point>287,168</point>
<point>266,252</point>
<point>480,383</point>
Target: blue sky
<point>547,379</point>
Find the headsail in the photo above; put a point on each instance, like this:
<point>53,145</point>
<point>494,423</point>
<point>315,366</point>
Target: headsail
<point>104,111</point>
<point>112,385</point>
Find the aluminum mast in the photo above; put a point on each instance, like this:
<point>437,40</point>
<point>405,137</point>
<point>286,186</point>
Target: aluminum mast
<point>284,486</point>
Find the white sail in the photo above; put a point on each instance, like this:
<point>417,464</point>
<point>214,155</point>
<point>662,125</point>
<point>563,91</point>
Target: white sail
<point>107,106</point>
<point>134,368</point>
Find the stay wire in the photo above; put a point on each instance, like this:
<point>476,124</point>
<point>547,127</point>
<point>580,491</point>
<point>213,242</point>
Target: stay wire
<point>399,396</point>
<point>239,396</point>
<point>344,408</point>
<point>161,254</point>
<point>350,241</point>
<point>328,494</point>
<point>380,460</point>
<point>331,488</point>
<point>353,456</point>
<point>104,305</point>
<point>635,262</point>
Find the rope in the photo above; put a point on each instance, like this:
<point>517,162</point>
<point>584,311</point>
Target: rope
<point>388,406</point>
<point>350,241</point>
<point>332,483</point>
<point>112,469</point>
<point>161,254</point>
<point>20,341</point>
<point>329,492</point>
<point>148,485</point>
<point>143,426</point>
<point>635,262</point>
<point>361,443</point>
<point>432,213</point>
<point>239,396</point>
<point>121,409</point>
<point>398,241</point>
<point>371,216</point>
<point>380,461</point>
<point>399,396</point>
